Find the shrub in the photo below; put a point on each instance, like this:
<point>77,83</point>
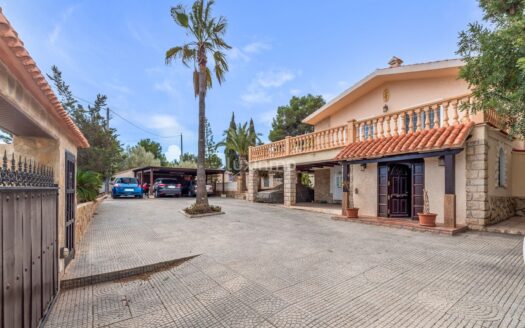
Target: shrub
<point>88,185</point>
<point>202,209</point>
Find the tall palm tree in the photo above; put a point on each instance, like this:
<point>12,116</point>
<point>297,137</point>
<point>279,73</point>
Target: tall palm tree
<point>239,141</point>
<point>206,33</point>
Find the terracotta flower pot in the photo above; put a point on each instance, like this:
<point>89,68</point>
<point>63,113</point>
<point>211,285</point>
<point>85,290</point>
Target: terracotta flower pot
<point>352,213</point>
<point>427,219</point>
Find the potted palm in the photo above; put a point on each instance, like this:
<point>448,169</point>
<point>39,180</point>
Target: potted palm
<point>351,211</point>
<point>426,218</point>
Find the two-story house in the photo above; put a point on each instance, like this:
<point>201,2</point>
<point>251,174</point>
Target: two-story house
<point>396,132</point>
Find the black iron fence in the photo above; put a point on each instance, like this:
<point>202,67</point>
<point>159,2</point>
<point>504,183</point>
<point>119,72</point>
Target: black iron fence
<point>28,241</point>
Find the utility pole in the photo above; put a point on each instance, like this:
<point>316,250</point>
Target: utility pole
<point>181,147</point>
<point>106,187</point>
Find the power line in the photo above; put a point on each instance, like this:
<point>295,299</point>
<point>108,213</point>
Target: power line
<point>130,122</point>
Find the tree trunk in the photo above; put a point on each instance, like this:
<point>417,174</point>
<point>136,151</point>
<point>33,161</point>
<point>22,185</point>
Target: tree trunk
<point>202,195</point>
<point>242,159</point>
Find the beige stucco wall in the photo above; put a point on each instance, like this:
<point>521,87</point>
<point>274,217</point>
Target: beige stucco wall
<point>49,151</point>
<point>403,94</point>
<point>518,174</point>
<point>435,185</point>
<point>366,184</point>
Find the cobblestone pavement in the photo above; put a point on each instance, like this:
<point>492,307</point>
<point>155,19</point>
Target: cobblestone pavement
<point>266,266</point>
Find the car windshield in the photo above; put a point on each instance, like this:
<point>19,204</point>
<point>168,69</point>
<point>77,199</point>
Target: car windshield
<point>169,181</point>
<point>128,180</point>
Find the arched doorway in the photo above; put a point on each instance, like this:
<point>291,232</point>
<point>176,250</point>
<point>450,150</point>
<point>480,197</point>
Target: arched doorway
<point>400,191</point>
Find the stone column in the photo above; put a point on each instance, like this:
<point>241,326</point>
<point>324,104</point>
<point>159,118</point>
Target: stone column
<point>477,183</point>
<point>290,181</point>
<point>252,185</point>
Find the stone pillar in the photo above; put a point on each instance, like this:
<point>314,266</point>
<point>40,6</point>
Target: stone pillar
<point>477,183</point>
<point>252,185</point>
<point>290,181</point>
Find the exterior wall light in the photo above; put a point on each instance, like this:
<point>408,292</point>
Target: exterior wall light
<point>363,167</point>
<point>385,108</point>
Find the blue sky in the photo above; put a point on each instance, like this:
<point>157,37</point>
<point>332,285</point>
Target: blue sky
<point>280,48</point>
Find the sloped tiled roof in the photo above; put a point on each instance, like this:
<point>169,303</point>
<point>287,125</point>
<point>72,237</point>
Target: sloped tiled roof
<point>9,36</point>
<point>421,141</point>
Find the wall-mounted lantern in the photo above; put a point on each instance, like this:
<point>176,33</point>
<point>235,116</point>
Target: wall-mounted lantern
<point>385,108</point>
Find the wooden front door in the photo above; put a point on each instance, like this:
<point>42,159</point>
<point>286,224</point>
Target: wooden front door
<point>399,191</point>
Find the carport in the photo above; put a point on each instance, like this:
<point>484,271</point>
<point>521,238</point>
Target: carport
<point>148,174</point>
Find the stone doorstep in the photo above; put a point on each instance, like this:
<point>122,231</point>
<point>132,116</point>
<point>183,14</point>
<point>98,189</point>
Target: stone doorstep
<point>194,216</point>
<point>407,225</point>
<point>121,274</point>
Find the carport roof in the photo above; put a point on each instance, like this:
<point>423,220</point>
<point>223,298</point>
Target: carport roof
<point>187,170</point>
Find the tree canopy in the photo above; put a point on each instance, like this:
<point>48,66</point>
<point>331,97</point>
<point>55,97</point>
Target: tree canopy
<point>104,154</point>
<point>494,52</point>
<point>288,121</point>
<point>230,155</point>
<point>155,148</point>
<point>137,156</point>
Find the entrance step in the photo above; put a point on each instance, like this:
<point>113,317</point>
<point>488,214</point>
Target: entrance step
<point>404,224</point>
<point>121,274</point>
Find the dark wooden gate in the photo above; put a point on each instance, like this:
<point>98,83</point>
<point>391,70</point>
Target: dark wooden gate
<point>28,242</point>
<point>70,207</point>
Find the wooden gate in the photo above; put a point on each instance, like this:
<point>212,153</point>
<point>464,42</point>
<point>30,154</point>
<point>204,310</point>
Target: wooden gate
<point>28,242</point>
<point>70,207</point>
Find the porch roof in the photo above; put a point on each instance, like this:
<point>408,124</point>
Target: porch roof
<point>437,139</point>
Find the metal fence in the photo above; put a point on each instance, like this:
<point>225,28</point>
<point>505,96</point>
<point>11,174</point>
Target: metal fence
<point>28,242</point>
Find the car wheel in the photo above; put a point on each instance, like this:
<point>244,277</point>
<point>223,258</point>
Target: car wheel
<point>156,194</point>
<point>113,196</point>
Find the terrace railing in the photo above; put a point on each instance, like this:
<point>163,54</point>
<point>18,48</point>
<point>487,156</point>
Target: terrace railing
<point>431,115</point>
<point>320,140</point>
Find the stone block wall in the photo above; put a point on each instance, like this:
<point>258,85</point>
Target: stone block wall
<point>83,215</point>
<point>289,181</point>
<point>252,185</point>
<point>478,209</point>
<point>501,208</point>
<point>322,186</point>
<point>520,206</point>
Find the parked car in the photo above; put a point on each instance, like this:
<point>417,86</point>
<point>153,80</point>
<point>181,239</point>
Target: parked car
<point>126,187</point>
<point>189,189</point>
<point>167,187</point>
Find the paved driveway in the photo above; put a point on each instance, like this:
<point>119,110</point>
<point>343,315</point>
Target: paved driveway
<point>266,266</point>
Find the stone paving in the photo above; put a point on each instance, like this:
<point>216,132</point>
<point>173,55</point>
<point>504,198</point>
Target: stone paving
<point>266,266</point>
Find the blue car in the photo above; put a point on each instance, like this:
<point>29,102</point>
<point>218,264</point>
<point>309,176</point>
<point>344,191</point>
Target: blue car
<point>126,187</point>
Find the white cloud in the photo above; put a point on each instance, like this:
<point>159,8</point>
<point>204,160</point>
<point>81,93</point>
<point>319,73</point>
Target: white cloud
<point>173,152</point>
<point>119,87</point>
<point>256,97</point>
<point>57,29</point>
<point>267,117</point>
<point>295,92</point>
<point>256,47</point>
<point>256,92</point>
<point>244,53</point>
<point>274,78</point>
<point>167,87</point>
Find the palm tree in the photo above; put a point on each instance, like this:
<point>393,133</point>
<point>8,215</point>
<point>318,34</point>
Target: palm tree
<point>239,141</point>
<point>207,41</point>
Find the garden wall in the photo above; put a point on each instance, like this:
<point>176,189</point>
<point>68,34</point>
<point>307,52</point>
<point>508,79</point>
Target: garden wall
<point>84,214</point>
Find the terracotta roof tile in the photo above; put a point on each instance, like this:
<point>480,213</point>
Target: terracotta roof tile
<point>11,39</point>
<point>425,140</point>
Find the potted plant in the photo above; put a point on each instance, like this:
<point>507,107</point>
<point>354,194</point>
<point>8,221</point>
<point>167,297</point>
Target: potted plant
<point>351,211</point>
<point>426,218</point>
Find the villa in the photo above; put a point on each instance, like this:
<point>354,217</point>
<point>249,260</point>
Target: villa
<point>396,132</point>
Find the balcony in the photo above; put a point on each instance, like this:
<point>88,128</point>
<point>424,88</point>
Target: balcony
<point>431,115</point>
